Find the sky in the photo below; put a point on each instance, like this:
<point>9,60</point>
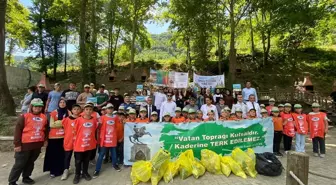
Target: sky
<point>153,28</point>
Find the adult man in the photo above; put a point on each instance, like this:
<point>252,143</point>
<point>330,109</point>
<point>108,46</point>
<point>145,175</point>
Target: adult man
<point>159,98</point>
<point>240,105</point>
<point>53,98</point>
<point>105,90</point>
<point>41,94</point>
<point>116,99</point>
<point>206,108</point>
<point>29,137</point>
<point>93,91</point>
<point>150,107</point>
<point>102,97</point>
<point>192,104</point>
<point>248,90</point>
<point>252,104</point>
<point>70,95</point>
<point>168,106</point>
<point>127,103</point>
<point>82,98</point>
<point>220,105</point>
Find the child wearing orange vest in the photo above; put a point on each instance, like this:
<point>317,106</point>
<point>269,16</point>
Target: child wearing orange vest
<point>318,124</point>
<point>264,113</point>
<point>239,114</point>
<point>252,114</point>
<point>192,116</point>
<point>154,117</point>
<point>107,139</point>
<point>288,127</point>
<point>225,114</point>
<point>85,142</point>
<point>166,118</point>
<point>54,156</point>
<point>211,116</point>
<point>277,122</point>
<point>281,109</point>
<point>185,112</point>
<point>29,137</point>
<point>142,118</point>
<point>301,128</point>
<point>178,118</point>
<point>69,137</point>
<point>199,116</point>
<point>120,137</point>
<point>131,116</point>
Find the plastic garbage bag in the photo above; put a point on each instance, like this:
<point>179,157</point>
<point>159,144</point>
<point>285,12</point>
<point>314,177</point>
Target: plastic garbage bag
<point>211,161</point>
<point>141,172</point>
<point>158,174</point>
<point>159,158</point>
<point>197,168</point>
<point>226,170</point>
<point>171,172</point>
<point>184,162</point>
<point>245,162</point>
<point>235,167</point>
<point>251,154</point>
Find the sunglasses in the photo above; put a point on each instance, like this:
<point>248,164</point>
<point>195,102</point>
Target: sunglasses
<point>169,95</point>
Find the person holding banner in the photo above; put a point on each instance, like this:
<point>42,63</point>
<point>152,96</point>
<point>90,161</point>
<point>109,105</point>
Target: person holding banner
<point>131,116</point>
<point>192,116</point>
<point>166,117</point>
<point>252,114</point>
<point>154,117</point>
<point>142,118</point>
<point>199,115</point>
<point>168,106</point>
<point>239,114</point>
<point>211,116</point>
<point>178,118</point>
<point>206,108</point>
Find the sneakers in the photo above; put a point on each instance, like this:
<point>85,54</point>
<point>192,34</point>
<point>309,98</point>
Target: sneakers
<point>87,177</point>
<point>65,175</point>
<point>52,176</point>
<point>28,180</point>
<point>12,183</point>
<point>95,174</point>
<point>322,155</point>
<point>117,168</point>
<point>316,154</point>
<point>76,179</point>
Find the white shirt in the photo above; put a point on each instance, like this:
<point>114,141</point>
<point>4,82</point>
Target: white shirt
<point>159,98</point>
<point>106,92</point>
<point>169,107</point>
<point>205,109</point>
<point>256,106</point>
<point>247,92</point>
<point>242,106</point>
<point>215,96</point>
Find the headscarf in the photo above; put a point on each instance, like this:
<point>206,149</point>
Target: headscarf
<point>62,112</point>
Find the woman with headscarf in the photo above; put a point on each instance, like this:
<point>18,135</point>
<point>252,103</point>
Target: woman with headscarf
<point>54,157</point>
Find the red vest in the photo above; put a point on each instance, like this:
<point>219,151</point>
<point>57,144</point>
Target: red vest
<point>289,128</point>
<point>85,134</point>
<point>69,133</point>
<point>179,120</point>
<point>34,128</point>
<point>108,131</point>
<point>316,124</point>
<point>301,124</point>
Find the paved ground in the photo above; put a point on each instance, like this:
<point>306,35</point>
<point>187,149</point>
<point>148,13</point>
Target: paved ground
<point>326,166</point>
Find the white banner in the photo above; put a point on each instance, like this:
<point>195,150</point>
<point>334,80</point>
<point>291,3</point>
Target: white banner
<point>217,81</point>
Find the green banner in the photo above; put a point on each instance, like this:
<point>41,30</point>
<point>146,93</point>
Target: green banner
<point>142,141</point>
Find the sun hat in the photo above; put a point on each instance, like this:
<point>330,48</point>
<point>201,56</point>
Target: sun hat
<point>37,102</point>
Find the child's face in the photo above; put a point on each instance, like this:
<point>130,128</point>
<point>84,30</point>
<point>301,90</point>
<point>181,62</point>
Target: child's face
<point>185,114</point>
<point>264,115</point>
<point>224,114</point>
<point>200,115</point>
<point>239,114</point>
<point>103,112</point>
<point>76,111</point>
<point>122,118</point>
<point>287,109</point>
<point>211,115</point>
<point>154,118</point>
<point>109,111</point>
<point>143,114</point>
<point>316,109</point>
<point>252,113</point>
<point>192,116</point>
<point>178,114</point>
<point>232,116</point>
<point>299,111</point>
<point>276,114</point>
<point>166,118</point>
<point>281,109</point>
<point>88,111</point>
<point>132,116</point>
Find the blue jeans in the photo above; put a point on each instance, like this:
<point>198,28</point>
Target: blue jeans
<point>300,141</point>
<point>102,154</point>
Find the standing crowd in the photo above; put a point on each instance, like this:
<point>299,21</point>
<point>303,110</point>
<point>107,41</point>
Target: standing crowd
<point>68,123</point>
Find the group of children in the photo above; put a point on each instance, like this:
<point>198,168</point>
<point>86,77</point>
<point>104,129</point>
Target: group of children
<point>296,124</point>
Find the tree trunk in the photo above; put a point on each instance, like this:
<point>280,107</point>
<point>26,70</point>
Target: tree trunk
<point>252,39</point>
<point>7,105</point>
<point>232,55</point>
<point>109,52</point>
<point>134,33</point>
<point>40,36</point>
<point>10,52</point>
<point>55,57</point>
<point>66,50</point>
<point>268,48</point>
<point>93,58</point>
<point>188,56</point>
<point>82,41</point>
<point>263,38</point>
<point>219,41</point>
<point>115,48</point>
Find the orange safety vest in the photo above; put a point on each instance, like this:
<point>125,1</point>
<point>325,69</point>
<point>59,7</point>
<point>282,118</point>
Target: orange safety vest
<point>85,134</point>
<point>179,120</point>
<point>140,120</point>
<point>69,133</point>
<point>316,124</point>
<point>34,128</point>
<point>301,124</point>
<point>289,128</point>
<point>277,122</point>
<point>108,132</point>
<point>56,133</point>
<point>208,119</point>
<point>192,120</point>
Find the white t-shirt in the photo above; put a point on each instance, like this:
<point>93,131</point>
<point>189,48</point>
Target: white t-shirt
<point>242,106</point>
<point>167,107</point>
<point>159,98</point>
<point>205,109</point>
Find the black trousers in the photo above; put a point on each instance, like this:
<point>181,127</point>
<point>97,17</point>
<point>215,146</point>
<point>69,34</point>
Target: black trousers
<point>276,141</point>
<point>93,154</point>
<point>287,142</point>
<point>67,159</point>
<point>319,143</point>
<point>24,163</point>
<point>82,160</point>
<point>120,152</point>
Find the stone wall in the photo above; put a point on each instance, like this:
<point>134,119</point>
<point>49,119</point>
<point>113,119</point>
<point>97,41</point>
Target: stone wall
<point>18,78</point>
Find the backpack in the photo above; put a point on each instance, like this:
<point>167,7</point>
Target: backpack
<point>268,164</point>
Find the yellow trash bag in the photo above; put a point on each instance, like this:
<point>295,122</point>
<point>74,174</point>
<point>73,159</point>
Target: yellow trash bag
<point>235,167</point>
<point>197,168</point>
<point>141,172</point>
<point>184,162</point>
<point>211,161</point>
<point>244,161</point>
<point>159,158</point>
<point>158,174</point>
<point>251,154</point>
<point>226,170</point>
<point>171,171</point>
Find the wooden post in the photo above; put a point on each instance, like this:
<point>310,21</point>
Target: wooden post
<point>298,163</point>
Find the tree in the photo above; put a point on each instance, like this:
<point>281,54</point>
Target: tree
<point>82,41</point>
<point>7,105</point>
